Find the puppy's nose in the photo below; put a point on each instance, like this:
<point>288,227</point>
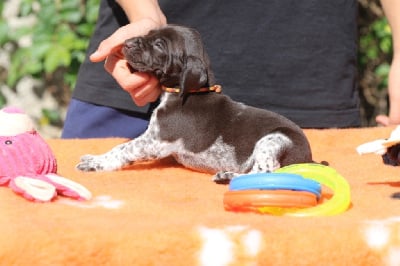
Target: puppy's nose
<point>134,43</point>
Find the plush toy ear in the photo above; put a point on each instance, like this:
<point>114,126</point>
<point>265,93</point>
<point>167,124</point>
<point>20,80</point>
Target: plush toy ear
<point>33,189</point>
<point>194,75</point>
<point>67,187</point>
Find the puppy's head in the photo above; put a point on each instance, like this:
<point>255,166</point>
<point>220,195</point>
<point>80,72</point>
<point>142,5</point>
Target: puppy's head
<point>174,54</point>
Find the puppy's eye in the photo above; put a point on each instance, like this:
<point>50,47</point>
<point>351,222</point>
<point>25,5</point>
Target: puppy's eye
<point>159,44</point>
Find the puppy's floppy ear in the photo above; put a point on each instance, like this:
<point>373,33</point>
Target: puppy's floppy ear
<point>194,75</point>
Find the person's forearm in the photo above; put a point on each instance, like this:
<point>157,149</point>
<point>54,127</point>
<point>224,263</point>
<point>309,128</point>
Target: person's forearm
<point>394,91</point>
<point>140,9</point>
<point>392,11</point>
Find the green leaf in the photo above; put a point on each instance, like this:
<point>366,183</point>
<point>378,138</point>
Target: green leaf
<point>386,45</point>
<point>3,32</point>
<point>80,44</point>
<point>85,29</point>
<point>66,38</point>
<point>72,16</point>
<point>40,49</point>
<point>382,70</point>
<point>79,55</point>
<point>14,73</point>
<point>2,100</point>
<point>372,53</point>
<point>70,79</point>
<point>18,33</point>
<point>92,10</point>
<point>51,116</point>
<point>56,57</point>
<point>25,8</point>
<point>33,68</point>
<point>49,15</point>
<point>70,4</point>
<point>60,37</point>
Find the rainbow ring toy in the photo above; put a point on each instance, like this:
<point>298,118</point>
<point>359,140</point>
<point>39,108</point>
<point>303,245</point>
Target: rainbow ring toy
<point>250,192</point>
<point>275,181</point>
<point>283,202</point>
<point>253,199</point>
<point>325,175</point>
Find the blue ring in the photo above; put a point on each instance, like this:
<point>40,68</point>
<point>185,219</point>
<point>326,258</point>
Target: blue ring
<point>274,181</point>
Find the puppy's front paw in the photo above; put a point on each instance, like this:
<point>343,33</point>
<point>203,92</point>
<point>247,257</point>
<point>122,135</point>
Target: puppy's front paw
<point>97,163</point>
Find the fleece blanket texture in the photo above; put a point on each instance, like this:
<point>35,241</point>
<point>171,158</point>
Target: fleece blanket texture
<point>159,213</point>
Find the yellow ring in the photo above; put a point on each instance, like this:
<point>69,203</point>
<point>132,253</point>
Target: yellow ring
<point>325,175</point>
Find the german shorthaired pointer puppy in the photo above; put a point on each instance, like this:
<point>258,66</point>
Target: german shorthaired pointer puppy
<point>196,124</point>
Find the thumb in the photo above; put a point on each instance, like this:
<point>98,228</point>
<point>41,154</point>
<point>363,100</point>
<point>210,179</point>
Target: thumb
<point>108,46</point>
<point>112,44</point>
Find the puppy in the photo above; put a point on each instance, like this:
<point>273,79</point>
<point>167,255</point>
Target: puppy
<point>200,127</point>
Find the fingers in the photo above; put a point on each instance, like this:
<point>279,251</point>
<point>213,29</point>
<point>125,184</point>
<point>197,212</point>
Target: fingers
<point>111,45</point>
<point>115,42</point>
<point>142,87</point>
<point>117,66</point>
<point>384,120</point>
<point>103,51</point>
<point>148,92</point>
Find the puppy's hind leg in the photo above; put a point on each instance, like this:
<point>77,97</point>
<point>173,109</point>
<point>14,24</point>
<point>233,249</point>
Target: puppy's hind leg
<point>268,151</point>
<point>264,159</point>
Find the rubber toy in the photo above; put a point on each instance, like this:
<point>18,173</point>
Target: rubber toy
<point>275,181</point>
<point>27,164</point>
<point>250,192</point>
<point>325,175</point>
<point>389,148</point>
<point>291,196</point>
<point>380,146</point>
<point>256,199</point>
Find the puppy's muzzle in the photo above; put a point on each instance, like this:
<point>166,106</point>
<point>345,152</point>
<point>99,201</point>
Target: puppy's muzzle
<point>134,43</point>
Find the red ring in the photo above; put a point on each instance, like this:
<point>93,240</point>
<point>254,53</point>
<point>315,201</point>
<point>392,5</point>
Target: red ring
<point>252,200</point>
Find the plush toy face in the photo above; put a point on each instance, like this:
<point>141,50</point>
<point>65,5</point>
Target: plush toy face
<point>25,154</point>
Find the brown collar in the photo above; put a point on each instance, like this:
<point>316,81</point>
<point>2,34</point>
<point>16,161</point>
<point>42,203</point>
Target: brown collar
<point>215,88</point>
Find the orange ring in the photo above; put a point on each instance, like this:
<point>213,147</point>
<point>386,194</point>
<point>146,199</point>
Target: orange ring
<point>252,200</point>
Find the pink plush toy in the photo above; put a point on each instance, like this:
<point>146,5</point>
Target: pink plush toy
<point>27,164</point>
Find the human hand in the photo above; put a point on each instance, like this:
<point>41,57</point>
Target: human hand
<point>142,87</point>
<point>394,96</point>
<point>384,120</point>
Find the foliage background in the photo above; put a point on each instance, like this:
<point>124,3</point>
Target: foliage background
<point>43,42</point>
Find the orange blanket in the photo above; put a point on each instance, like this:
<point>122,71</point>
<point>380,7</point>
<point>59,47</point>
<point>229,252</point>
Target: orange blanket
<point>162,214</point>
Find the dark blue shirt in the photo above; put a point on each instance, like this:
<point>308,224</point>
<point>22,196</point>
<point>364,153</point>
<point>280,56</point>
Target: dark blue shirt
<point>294,57</point>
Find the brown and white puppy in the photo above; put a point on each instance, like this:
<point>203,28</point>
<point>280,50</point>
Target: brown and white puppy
<point>202,129</point>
